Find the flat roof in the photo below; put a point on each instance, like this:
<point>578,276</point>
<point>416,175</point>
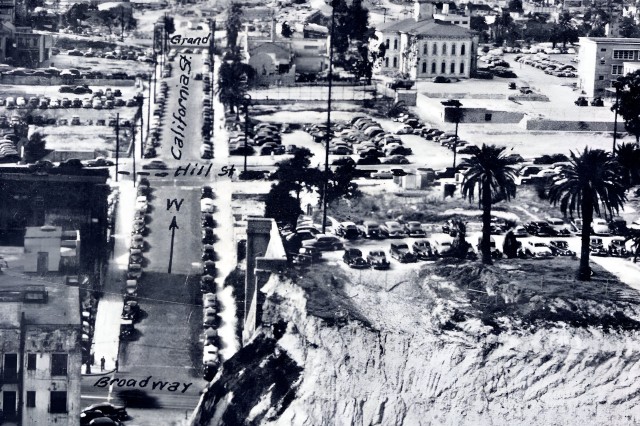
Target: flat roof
<point>612,40</point>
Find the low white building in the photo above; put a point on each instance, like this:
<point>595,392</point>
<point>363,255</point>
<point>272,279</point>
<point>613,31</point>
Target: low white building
<point>602,60</point>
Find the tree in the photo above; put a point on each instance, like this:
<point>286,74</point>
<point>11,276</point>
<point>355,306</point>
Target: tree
<point>628,28</point>
<point>591,183</point>
<point>628,157</point>
<point>286,30</point>
<point>340,185</point>
<point>232,83</point>
<point>295,173</point>
<point>76,14</point>
<point>459,245</point>
<point>515,5</point>
<point>479,24</point>
<point>492,175</point>
<point>510,245</point>
<point>629,102</point>
<point>281,206</point>
<point>233,24</point>
<point>34,149</point>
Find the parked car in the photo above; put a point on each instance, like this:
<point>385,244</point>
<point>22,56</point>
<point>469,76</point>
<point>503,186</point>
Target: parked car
<point>560,248</point>
<point>369,229</point>
<point>378,259</point>
<point>442,246</point>
<point>353,258</point>
<point>382,174</point>
<point>600,227</point>
<point>347,230</point>
<point>110,410</point>
<point>618,248</point>
<point>155,165</point>
<point>392,229</point>
<point>324,242</point>
<point>596,247</point>
<point>422,250</point>
<point>540,228</point>
<point>400,251</point>
<point>581,101</point>
<point>414,229</point>
<point>537,248</point>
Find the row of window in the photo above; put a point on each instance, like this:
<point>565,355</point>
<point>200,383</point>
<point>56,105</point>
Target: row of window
<point>434,67</point>
<point>435,49</point>
<point>57,402</point>
<point>628,55</point>
<point>58,364</point>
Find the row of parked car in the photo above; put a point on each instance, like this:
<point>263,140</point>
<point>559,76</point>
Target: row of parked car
<point>265,139</point>
<point>8,148</point>
<point>130,55</point>
<point>549,66</point>
<point>206,149</point>
<point>155,129</point>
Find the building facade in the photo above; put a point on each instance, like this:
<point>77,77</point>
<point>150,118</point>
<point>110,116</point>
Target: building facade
<point>602,60</point>
<point>423,47</point>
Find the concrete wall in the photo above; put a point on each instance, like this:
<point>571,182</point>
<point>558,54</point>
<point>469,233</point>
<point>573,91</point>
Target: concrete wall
<point>449,95</point>
<point>33,246</point>
<point>31,80</point>
<point>572,126</point>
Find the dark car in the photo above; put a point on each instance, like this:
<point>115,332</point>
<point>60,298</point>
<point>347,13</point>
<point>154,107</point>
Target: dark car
<point>401,84</point>
<point>596,247</point>
<point>414,229</point>
<point>581,101</point>
<point>353,258</point>
<point>131,310</point>
<point>208,253</point>
<point>369,229</point>
<point>598,102</point>
<point>347,230</point>
<point>618,226</point>
<point>104,421</point>
<point>367,161</point>
<point>324,242</point>
<point>208,221</point>
<point>109,410</point>
<point>206,192</point>
<point>540,228</point>
<point>560,248</point>
<point>422,250</point>
<point>85,418</point>
<point>208,236</point>
<point>400,252</point>
<point>618,248</point>
<point>155,165</point>
<point>378,260</point>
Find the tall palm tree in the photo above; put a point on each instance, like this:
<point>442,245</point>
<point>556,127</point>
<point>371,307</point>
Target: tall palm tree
<point>491,173</point>
<point>628,156</point>
<point>232,83</point>
<point>591,182</point>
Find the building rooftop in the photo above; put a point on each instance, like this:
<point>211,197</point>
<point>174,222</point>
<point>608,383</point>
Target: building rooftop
<point>43,232</point>
<point>427,27</point>
<point>612,40</point>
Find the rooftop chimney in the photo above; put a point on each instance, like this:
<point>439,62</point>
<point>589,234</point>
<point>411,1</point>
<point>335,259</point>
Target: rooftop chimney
<point>422,10</point>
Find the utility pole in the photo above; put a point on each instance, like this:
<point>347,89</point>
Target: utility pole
<point>247,102</point>
<point>328,139</point>
<point>133,151</point>
<point>117,143</point>
<point>615,117</point>
<point>149,107</point>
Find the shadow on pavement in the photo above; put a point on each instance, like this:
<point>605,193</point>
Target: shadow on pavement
<point>136,398</point>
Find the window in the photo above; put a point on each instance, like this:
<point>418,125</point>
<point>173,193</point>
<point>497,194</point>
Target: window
<point>58,402</point>
<point>463,49</point>
<point>603,50</point>
<point>395,62</point>
<point>31,399</point>
<point>434,49</point>
<point>433,68</point>
<point>395,44</point>
<point>452,68</point>
<point>424,67</point>
<point>443,68</point>
<point>461,67</point>
<point>602,61</point>
<point>386,62</point>
<point>456,22</point>
<point>444,48</point>
<point>59,364</point>
<point>425,49</point>
<point>387,43</point>
<point>616,69</point>
<point>10,367</point>
<point>453,49</point>
<point>601,77</point>
<point>31,361</point>
<point>623,54</point>
<point>487,117</point>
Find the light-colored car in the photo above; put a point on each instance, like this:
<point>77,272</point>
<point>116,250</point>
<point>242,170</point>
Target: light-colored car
<point>442,245</point>
<point>382,174</point>
<point>392,229</point>
<point>142,203</point>
<point>206,205</point>
<point>537,248</point>
<point>557,224</point>
<point>600,227</point>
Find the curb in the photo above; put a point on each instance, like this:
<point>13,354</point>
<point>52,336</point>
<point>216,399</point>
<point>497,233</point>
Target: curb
<point>102,373</point>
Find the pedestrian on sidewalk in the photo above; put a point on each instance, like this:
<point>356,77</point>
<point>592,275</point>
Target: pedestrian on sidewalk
<point>116,365</point>
<point>102,360</point>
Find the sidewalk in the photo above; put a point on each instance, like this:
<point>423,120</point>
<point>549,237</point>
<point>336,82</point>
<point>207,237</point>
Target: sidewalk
<point>106,338</point>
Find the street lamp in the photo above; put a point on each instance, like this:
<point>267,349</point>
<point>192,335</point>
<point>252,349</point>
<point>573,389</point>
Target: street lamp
<point>246,101</point>
<point>457,116</point>
<point>328,136</point>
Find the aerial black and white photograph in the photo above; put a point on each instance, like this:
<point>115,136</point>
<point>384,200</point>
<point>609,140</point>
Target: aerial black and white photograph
<point>319,212</point>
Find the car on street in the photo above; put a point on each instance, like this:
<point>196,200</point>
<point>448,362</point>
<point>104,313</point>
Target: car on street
<point>396,159</point>
<point>353,258</point>
<point>600,227</point>
<point>369,229</point>
<point>400,251</point>
<point>537,248</point>
<point>540,228</point>
<point>324,242</point>
<point>347,230</point>
<point>137,242</point>
<point>442,246</point>
<point>378,259</point>
<point>208,237</point>
<point>368,161</point>
<point>520,232</point>
<point>422,249</point>
<point>382,174</point>
<point>208,253</point>
<point>134,271</point>
<point>392,229</point>
<point>155,165</point>
<point>414,229</point>
<point>142,204</point>
<point>617,247</point>
<point>560,248</point>
<point>206,192</point>
<point>206,205</point>
<point>209,300</point>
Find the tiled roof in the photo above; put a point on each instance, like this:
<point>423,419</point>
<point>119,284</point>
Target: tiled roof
<point>427,27</point>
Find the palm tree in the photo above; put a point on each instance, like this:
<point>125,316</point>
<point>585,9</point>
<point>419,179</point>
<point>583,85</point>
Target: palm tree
<point>491,173</point>
<point>232,83</point>
<point>590,181</point>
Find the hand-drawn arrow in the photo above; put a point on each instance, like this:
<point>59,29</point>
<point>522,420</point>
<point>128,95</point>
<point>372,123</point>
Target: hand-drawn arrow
<point>172,228</point>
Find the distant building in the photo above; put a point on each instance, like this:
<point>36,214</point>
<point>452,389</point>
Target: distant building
<point>41,355</point>
<point>602,60</point>
<point>424,47</point>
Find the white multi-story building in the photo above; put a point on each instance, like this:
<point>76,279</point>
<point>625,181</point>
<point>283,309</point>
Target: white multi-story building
<point>424,47</point>
<point>602,60</point>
